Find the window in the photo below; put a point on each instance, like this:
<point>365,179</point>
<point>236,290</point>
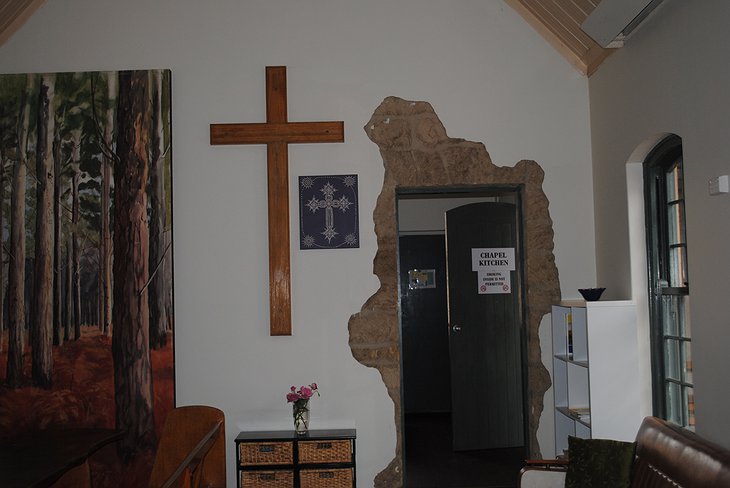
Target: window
<point>669,284</point>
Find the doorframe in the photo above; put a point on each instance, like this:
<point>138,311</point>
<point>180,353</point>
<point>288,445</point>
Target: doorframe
<point>470,192</point>
<point>417,152</point>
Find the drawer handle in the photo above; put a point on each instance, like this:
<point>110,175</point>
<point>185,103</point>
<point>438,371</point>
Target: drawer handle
<point>324,445</point>
<point>267,477</point>
<point>326,475</point>
<point>266,448</point>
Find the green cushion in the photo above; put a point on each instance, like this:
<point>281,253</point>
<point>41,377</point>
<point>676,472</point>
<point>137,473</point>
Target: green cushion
<point>597,463</point>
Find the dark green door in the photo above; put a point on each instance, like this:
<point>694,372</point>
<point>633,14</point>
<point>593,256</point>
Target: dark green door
<point>484,331</point>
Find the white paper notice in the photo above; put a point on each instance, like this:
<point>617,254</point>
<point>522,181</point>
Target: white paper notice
<point>493,266</point>
<point>494,282</point>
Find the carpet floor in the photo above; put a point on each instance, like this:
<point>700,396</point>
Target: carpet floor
<point>431,462</point>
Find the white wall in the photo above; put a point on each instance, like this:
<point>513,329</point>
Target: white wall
<point>672,76</point>
<point>490,78</point>
<point>426,215</point>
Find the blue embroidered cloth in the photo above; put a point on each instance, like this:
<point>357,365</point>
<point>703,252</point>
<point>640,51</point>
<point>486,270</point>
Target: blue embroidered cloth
<point>328,212</point>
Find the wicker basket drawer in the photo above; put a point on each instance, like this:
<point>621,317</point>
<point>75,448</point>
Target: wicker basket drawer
<point>267,479</point>
<point>266,453</point>
<point>334,451</point>
<point>325,478</point>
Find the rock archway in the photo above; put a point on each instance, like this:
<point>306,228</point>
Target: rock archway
<point>417,153</point>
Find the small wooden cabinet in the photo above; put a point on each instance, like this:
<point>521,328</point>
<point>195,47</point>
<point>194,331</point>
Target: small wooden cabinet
<point>283,459</point>
<point>595,371</point>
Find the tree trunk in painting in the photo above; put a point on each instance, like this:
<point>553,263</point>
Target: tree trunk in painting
<point>42,321</point>
<point>168,279</point>
<point>106,180</point>
<point>68,302</point>
<point>130,324</point>
<point>158,314</point>
<point>99,294</point>
<point>57,216</point>
<point>75,215</point>
<point>16,268</point>
<point>2,245</point>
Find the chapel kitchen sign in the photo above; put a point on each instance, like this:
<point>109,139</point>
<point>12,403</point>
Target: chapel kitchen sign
<point>493,266</point>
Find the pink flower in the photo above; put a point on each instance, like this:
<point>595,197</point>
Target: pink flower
<point>292,397</point>
<point>303,393</point>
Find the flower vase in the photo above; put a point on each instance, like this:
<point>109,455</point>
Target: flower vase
<point>301,416</point>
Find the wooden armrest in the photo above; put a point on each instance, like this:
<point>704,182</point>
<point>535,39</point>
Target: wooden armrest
<point>547,463</point>
<point>188,467</point>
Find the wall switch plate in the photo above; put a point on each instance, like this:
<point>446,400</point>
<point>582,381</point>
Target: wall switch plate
<point>719,185</point>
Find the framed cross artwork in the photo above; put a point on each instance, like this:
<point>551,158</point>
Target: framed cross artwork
<point>328,212</point>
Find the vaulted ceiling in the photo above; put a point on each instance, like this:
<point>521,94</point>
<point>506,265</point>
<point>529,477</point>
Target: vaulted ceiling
<point>13,14</point>
<point>558,21</point>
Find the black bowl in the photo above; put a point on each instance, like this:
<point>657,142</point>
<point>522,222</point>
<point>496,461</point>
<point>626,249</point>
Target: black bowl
<point>591,294</point>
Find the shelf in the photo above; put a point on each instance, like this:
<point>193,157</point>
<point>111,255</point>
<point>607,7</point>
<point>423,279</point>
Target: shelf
<point>579,414</point>
<point>568,359</point>
<point>595,362</point>
<point>580,303</point>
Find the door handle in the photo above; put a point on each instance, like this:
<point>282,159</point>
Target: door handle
<point>456,328</point>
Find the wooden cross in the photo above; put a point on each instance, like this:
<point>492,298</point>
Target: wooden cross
<point>277,133</point>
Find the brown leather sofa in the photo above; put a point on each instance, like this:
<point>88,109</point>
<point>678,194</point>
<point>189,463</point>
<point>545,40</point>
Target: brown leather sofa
<point>666,456</point>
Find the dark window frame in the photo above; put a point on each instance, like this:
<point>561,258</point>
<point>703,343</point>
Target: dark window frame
<point>665,157</point>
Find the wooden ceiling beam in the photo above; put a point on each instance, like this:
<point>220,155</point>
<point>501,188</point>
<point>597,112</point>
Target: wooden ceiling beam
<point>558,22</point>
<point>13,14</point>
<point>586,6</point>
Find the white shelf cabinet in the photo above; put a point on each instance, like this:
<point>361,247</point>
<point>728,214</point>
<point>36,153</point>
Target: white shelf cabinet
<point>595,371</point>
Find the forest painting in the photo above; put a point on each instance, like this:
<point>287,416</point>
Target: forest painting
<point>86,309</point>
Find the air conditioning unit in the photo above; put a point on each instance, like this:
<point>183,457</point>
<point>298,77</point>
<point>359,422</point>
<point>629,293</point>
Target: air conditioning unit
<point>613,21</point>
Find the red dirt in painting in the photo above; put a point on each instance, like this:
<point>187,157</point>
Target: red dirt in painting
<point>83,396</point>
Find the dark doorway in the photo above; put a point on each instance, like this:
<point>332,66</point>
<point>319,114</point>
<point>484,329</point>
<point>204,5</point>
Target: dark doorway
<point>424,329</point>
<point>431,459</point>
